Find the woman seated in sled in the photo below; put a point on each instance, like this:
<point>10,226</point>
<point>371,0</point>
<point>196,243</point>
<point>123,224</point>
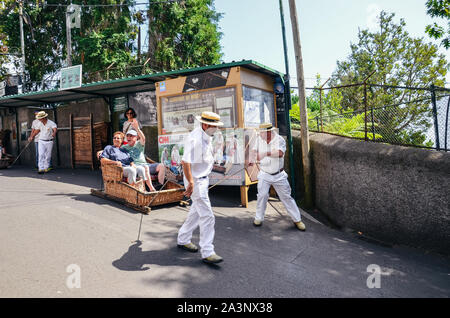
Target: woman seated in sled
<point>115,155</point>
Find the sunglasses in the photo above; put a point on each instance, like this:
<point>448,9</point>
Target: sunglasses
<point>129,113</point>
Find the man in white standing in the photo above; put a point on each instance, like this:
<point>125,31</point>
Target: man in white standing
<point>47,131</point>
<point>34,126</point>
<point>197,164</point>
<point>269,150</point>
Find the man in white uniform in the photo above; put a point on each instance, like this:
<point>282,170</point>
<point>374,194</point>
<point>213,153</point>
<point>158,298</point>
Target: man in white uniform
<point>34,126</point>
<point>269,150</point>
<point>47,131</point>
<point>197,164</point>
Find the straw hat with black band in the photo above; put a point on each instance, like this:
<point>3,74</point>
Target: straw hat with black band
<point>266,127</point>
<point>41,115</point>
<point>209,118</point>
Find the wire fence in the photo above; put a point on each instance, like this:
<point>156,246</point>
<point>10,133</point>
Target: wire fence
<point>407,116</point>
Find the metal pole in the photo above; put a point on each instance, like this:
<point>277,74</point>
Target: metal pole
<point>287,106</point>
<point>373,123</point>
<point>365,105</point>
<point>55,117</point>
<point>446,123</point>
<point>139,46</point>
<point>17,134</point>
<point>365,111</point>
<point>320,108</point>
<point>436,129</point>
<point>68,38</point>
<point>22,44</point>
<point>307,175</point>
<point>321,119</point>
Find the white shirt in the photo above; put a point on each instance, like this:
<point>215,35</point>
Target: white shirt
<point>34,125</point>
<point>199,153</point>
<point>46,130</point>
<point>271,164</point>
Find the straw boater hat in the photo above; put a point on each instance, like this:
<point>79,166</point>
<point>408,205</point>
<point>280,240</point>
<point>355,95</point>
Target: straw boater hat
<point>41,115</point>
<point>209,118</point>
<point>266,127</point>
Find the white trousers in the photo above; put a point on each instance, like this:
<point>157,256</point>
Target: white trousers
<point>132,172</point>
<point>129,172</point>
<point>200,214</point>
<point>281,184</point>
<point>45,154</point>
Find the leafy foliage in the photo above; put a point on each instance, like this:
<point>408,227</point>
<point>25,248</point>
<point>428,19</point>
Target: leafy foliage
<point>43,48</point>
<point>396,60</point>
<point>106,37</point>
<point>182,34</point>
<point>439,9</point>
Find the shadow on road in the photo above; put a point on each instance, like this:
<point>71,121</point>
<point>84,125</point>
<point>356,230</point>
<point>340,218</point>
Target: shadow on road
<point>135,259</point>
<point>81,177</point>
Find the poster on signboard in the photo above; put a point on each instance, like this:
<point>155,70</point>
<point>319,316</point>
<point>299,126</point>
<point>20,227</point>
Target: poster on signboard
<point>178,112</point>
<point>171,149</point>
<point>228,153</point>
<point>144,104</point>
<point>182,120</point>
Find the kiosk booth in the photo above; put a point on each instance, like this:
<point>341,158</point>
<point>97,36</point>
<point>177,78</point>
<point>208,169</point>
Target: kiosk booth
<point>243,98</point>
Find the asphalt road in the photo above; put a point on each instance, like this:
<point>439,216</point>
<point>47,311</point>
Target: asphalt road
<point>57,240</point>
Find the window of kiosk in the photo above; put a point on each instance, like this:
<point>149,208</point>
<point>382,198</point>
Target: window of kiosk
<point>178,112</point>
<point>258,106</point>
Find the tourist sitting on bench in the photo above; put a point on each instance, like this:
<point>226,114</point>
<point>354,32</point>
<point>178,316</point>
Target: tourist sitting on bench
<point>136,149</point>
<point>115,155</point>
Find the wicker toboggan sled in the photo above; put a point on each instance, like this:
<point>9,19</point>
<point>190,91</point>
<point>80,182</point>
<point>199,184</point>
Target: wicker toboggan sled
<point>6,161</point>
<point>116,189</point>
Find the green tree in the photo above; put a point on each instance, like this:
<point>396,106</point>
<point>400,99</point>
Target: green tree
<point>42,46</point>
<point>183,34</point>
<point>439,9</point>
<point>398,60</point>
<point>106,38</point>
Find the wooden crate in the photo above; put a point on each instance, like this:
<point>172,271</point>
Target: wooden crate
<point>86,140</point>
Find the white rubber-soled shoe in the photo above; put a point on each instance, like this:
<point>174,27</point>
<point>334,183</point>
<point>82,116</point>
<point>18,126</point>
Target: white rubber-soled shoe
<point>213,259</point>
<point>300,225</point>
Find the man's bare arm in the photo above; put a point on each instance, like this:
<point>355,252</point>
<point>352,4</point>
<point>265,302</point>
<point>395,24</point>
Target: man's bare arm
<point>188,175</point>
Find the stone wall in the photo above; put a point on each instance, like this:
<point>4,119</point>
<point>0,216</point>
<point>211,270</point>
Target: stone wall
<point>396,194</point>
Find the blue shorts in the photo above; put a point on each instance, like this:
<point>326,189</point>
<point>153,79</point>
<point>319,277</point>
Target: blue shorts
<point>152,167</point>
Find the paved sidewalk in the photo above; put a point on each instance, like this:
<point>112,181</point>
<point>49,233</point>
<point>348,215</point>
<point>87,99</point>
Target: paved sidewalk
<point>50,226</point>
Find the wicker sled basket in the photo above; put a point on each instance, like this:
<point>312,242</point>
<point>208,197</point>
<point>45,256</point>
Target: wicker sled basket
<point>135,196</point>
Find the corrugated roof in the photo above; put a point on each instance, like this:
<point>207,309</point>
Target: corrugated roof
<point>120,86</point>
